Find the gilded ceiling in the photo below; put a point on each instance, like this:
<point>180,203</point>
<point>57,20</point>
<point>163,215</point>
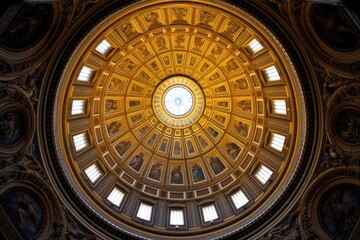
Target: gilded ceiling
<point>241,131</point>
<point>165,119</point>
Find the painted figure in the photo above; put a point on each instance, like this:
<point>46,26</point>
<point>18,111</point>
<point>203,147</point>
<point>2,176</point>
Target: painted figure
<point>137,162</point>
<point>176,176</point>
<point>217,165</point>
<point>197,173</point>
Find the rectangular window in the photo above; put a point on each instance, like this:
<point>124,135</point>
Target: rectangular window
<point>93,172</point>
<point>263,174</point>
<point>239,199</point>
<point>85,74</point>
<point>255,46</point>
<point>272,74</point>
<point>279,106</point>
<point>78,107</point>
<point>177,217</point>
<point>144,211</point>
<point>116,196</point>
<point>209,213</point>
<point>80,141</point>
<point>103,47</point>
<point>277,141</point>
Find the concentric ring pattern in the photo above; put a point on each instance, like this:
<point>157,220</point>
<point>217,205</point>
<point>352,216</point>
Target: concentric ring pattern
<point>180,114</point>
<point>245,119</point>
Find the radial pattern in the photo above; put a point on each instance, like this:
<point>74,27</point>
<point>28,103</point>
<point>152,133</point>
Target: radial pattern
<point>178,101</point>
<point>188,102</point>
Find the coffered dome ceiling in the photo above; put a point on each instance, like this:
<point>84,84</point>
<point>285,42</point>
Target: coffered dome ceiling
<point>178,116</point>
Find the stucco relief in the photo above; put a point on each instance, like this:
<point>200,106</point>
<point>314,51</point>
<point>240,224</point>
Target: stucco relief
<point>343,118</point>
<point>330,207</point>
<point>31,204</point>
<point>16,120</point>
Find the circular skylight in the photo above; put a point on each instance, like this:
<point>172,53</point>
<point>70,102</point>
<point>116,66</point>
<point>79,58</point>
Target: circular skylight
<point>178,101</point>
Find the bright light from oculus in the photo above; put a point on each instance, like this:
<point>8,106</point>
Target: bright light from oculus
<point>178,101</point>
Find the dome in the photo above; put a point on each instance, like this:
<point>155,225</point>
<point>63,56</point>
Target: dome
<point>170,119</point>
<point>176,116</point>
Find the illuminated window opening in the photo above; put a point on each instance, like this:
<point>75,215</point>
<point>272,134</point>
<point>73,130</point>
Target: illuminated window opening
<point>78,107</point>
<point>239,199</point>
<point>93,172</point>
<point>85,74</point>
<point>116,196</point>
<point>144,212</point>
<point>255,46</point>
<point>80,141</point>
<point>176,217</point>
<point>178,101</point>
<point>279,106</point>
<point>209,213</point>
<point>263,174</point>
<point>272,74</point>
<point>277,141</point>
<point>103,47</point>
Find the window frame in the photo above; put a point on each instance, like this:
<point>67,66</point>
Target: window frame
<point>271,108</point>
<point>213,204</point>
<point>270,141</point>
<point>251,51</point>
<point>263,74</point>
<point>257,169</point>
<point>91,78</point>
<point>242,207</point>
<point>99,168</point>
<point>177,207</point>
<point>151,205</point>
<point>85,108</point>
<point>108,50</point>
<point>123,197</point>
<point>87,140</point>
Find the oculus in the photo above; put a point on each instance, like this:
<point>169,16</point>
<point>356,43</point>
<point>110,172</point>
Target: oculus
<point>178,102</point>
